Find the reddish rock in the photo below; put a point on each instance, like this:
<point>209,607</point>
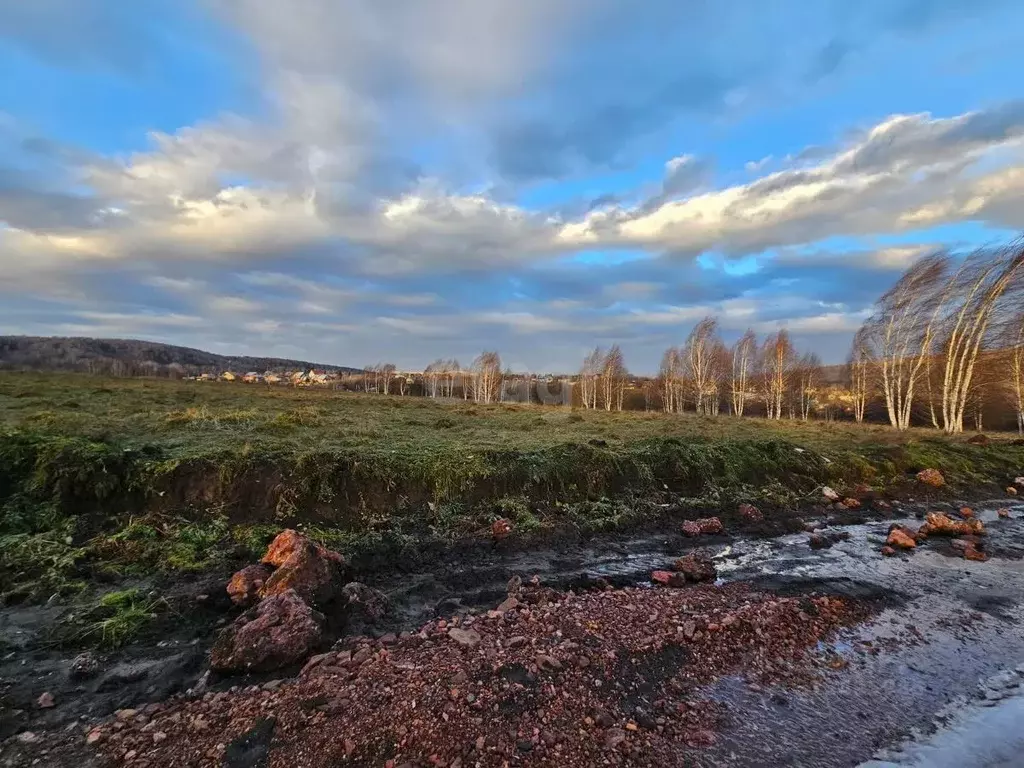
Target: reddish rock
<point>817,541</point>
<point>830,495</point>
<point>46,701</point>
<point>900,538</point>
<point>245,586</point>
<point>668,579</point>
<point>931,477</point>
<point>1011,490</point>
<point>1003,512</point>
<point>966,512</point>
<point>313,571</point>
<point>696,567</point>
<point>281,630</point>
<point>971,553</point>
<point>501,528</point>
<point>851,504</point>
<point>941,525</point>
<point>365,603</point>
<point>705,525</point>
<point>750,513</point>
<point>888,551</point>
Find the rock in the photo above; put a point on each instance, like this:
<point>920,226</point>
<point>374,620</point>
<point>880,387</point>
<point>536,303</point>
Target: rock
<point>467,638</point>
<point>314,572</point>
<point>888,551</point>
<point>901,538</point>
<point>931,477</point>
<point>818,541</point>
<point>960,544</point>
<point>705,525</point>
<point>668,578</point>
<point>252,748</point>
<point>1019,481</point>
<point>883,505</point>
<point>280,630</point>
<point>971,552</point>
<point>966,512</point>
<point>979,439</point>
<point>244,587</point>
<point>851,504</point>
<point>830,495</point>
<point>614,737</point>
<point>365,603</point>
<point>508,604</point>
<point>1004,513</point>
<point>95,736</point>
<point>1011,490</point>
<point>750,513</point>
<point>46,701</point>
<point>548,663</point>
<point>501,528</point>
<point>84,666</point>
<point>941,525</point>
<point>696,567</point>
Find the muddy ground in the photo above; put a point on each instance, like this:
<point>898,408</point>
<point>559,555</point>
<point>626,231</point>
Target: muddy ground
<point>940,626</point>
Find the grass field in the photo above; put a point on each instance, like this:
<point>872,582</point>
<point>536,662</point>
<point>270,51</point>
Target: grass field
<point>173,475</point>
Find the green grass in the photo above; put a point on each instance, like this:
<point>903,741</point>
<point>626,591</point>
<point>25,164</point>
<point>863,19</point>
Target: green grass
<point>125,476</point>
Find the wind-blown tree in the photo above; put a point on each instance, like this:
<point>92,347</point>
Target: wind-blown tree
<point>613,379</point>
<point>486,377</point>
<point>387,374</point>
<point>699,355</point>
<point>670,377</point>
<point>590,372</point>
<point>744,353</point>
<point>776,364</point>
<point>978,288</point>
<point>807,380</point>
<point>859,366</point>
<point>903,330</point>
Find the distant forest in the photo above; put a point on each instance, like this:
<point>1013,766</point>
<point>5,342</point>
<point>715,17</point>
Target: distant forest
<point>130,357</point>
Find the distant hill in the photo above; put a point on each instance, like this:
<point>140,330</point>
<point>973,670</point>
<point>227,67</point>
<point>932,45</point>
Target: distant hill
<point>131,357</point>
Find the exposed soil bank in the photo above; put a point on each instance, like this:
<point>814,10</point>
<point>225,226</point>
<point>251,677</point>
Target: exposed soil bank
<point>944,624</point>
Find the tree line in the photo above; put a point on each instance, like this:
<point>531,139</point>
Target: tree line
<point>942,347</point>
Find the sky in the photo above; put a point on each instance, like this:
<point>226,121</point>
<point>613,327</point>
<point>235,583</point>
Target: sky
<point>357,181</point>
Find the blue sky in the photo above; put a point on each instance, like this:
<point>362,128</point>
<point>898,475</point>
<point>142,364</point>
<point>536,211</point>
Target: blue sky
<point>355,181</point>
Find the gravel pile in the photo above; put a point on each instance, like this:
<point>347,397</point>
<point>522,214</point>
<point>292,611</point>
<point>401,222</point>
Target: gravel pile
<point>601,678</point>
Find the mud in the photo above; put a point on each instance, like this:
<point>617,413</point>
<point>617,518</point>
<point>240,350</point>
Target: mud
<point>944,624</point>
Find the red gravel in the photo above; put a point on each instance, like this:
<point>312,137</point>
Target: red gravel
<point>602,678</point>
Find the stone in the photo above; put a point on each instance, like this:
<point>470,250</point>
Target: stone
<point>614,737</point>
<point>46,701</point>
<point>365,603</point>
<point>696,567</point>
<point>315,573</point>
<point>900,538</point>
<point>1011,490</point>
<point>668,579</point>
<point>830,495</point>
<point>244,587</point>
<point>931,477</point>
<point>888,551</point>
<point>971,552</point>
<point>1019,481</point>
<point>548,663</point>
<point>508,604</point>
<point>1004,513</point>
<point>851,504</point>
<point>818,541</point>
<point>95,736</point>
<point>501,528</point>
<point>750,513</point>
<point>966,512</point>
<point>281,630</point>
<point>703,526</point>
<point>84,666</point>
<point>467,638</point>
<point>979,439</point>
<point>941,525</point>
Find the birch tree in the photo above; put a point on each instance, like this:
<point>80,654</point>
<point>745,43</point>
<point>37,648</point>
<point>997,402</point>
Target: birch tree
<point>776,363</point>
<point>486,377</point>
<point>593,363</point>
<point>979,285</point>
<point>699,354</point>
<point>613,379</point>
<point>670,375</point>
<point>808,379</point>
<point>743,353</point>
<point>859,366</point>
